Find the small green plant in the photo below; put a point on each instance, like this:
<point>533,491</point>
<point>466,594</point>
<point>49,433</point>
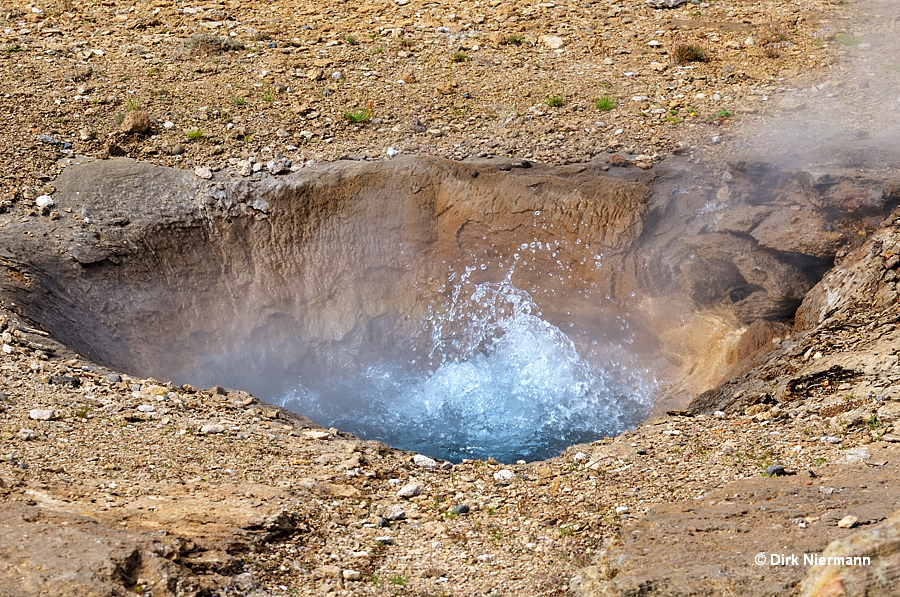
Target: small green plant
<point>845,39</point>
<point>238,100</point>
<point>457,57</point>
<point>720,116</point>
<point>566,531</point>
<point>397,579</point>
<point>605,103</point>
<point>82,412</point>
<point>195,135</point>
<point>554,101</point>
<point>267,94</point>
<point>688,52</point>
<point>374,579</point>
<point>492,510</point>
<point>351,40</point>
<point>515,39</point>
<point>498,535</point>
<point>820,461</point>
<point>12,48</point>
<point>131,104</point>
<point>359,115</point>
<point>153,72</point>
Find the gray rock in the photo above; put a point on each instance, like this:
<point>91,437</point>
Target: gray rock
<point>396,512</point>
<point>212,428</point>
<point>665,3</point>
<point>27,434</point>
<point>460,509</point>
<point>775,470</point>
<point>384,539</point>
<point>113,378</point>
<point>276,167</point>
<point>410,490</point>
<point>48,139</point>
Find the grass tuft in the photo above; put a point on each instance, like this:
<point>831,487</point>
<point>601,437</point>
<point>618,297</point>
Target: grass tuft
<point>605,103</point>
<point>554,101</point>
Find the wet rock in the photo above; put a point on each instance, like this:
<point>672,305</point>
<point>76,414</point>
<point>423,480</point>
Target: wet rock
<point>460,509</point>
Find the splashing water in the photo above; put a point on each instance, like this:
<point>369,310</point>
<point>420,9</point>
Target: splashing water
<point>498,381</point>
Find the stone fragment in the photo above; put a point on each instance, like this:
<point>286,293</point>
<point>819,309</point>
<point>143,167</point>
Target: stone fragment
<point>775,470</point>
<point>410,490</point>
<point>41,414</point>
<point>848,522</point>
<point>503,475</point>
<point>553,42</point>
<point>212,428</point>
<point>351,575</point>
<point>136,122</point>
<point>425,462</point>
<point>317,434</point>
<point>396,512</point>
<point>460,509</point>
<point>43,201</point>
<point>204,173</point>
<point>27,434</point>
<point>665,3</point>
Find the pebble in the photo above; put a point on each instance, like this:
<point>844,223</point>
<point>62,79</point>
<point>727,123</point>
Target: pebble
<point>27,434</point>
<point>828,439</point>
<point>351,575</point>
<point>396,512</point>
<point>425,462</point>
<point>146,408</point>
<point>212,428</point>
<point>48,139</point>
<point>43,201</point>
<point>204,173</point>
<point>460,509</point>
<point>41,414</point>
<point>113,378</point>
<point>168,125</point>
<point>384,539</point>
<point>391,152</point>
<point>848,522</point>
<point>317,434</point>
<point>503,475</point>
<point>553,42</point>
<point>177,150</point>
<point>411,490</point>
<point>276,167</point>
<point>775,470</point>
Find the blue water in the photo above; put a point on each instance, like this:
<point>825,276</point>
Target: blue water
<point>497,380</point>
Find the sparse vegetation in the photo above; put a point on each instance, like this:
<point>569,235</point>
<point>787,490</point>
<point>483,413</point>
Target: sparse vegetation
<point>211,45</point>
<point>720,116</point>
<point>554,101</point>
<point>359,115</point>
<point>689,52</point>
<point>515,39</point>
<point>458,57</point>
<point>131,104</point>
<point>238,100</point>
<point>195,135</point>
<point>397,579</point>
<point>605,103</point>
<point>351,40</point>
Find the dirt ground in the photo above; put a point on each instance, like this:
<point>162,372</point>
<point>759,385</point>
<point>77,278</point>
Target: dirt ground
<point>113,485</point>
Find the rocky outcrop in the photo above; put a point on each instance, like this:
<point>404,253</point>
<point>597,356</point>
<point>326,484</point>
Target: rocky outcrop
<point>866,563</point>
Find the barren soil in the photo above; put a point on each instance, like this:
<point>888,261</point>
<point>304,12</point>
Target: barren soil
<point>172,490</point>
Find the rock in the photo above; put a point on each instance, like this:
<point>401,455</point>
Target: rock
<point>396,512</point>
<point>41,414</point>
<point>391,152</point>
<point>552,41</point>
<point>485,557</point>
<point>410,490</point>
<point>276,167</point>
<point>876,576</point>
<point>114,378</point>
<point>204,173</point>
<point>503,475</point>
<point>460,509</point>
<point>384,540</point>
<point>178,149</point>
<point>617,160</point>
<point>351,575</point>
<point>212,428</point>
<point>148,408</point>
<point>136,122</point>
<point>328,571</point>
<point>27,434</point>
<point>425,462</point>
<point>775,470</point>
<point>848,522</point>
<point>48,139</point>
<point>665,3</point>
<point>317,434</point>
<point>43,201</point>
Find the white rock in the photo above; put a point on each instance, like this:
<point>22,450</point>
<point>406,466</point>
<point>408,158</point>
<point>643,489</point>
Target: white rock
<point>391,152</point>
<point>658,66</point>
<point>485,557</point>
<point>425,462</point>
<point>830,440</point>
<point>146,408</point>
<point>553,42</point>
<point>580,456</point>
<point>168,125</point>
<point>396,512</point>
<point>245,168</point>
<point>43,201</point>
<point>336,75</point>
<point>212,428</point>
<point>41,414</point>
<point>7,349</point>
<point>385,539</point>
<point>204,173</point>
<point>316,434</point>
<point>351,574</point>
<point>411,490</point>
<point>720,414</point>
<point>503,475</point>
<point>621,509</point>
